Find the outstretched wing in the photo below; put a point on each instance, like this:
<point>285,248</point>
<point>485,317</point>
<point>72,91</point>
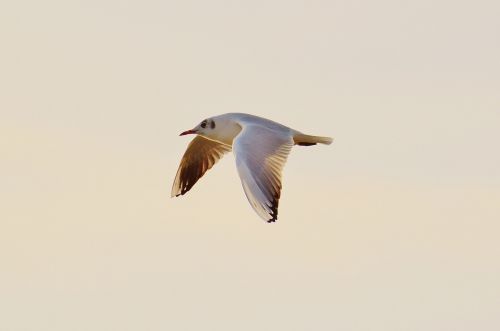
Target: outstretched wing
<point>261,154</point>
<point>200,156</point>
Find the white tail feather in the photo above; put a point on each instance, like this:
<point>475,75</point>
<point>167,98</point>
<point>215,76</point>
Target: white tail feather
<point>306,140</point>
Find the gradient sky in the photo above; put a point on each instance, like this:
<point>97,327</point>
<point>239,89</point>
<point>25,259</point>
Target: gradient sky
<point>395,226</point>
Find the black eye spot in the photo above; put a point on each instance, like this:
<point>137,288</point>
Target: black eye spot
<point>204,124</point>
<point>212,124</point>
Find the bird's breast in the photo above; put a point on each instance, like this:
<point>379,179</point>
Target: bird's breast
<point>226,133</point>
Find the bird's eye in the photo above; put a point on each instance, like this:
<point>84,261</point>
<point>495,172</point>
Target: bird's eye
<point>204,124</point>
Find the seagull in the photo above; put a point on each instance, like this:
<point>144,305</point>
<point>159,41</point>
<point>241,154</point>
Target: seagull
<point>260,147</point>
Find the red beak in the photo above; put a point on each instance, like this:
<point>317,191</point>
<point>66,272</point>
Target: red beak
<point>188,132</point>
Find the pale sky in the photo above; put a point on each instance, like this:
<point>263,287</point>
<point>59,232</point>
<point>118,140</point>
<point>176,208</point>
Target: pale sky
<point>395,226</point>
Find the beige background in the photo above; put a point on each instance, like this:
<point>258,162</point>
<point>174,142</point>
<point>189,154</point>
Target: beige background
<point>393,227</point>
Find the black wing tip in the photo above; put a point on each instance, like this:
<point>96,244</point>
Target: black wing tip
<point>179,193</point>
<point>274,209</point>
<point>274,214</point>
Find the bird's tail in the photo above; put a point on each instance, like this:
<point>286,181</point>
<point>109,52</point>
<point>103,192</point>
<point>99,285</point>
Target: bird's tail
<point>307,140</point>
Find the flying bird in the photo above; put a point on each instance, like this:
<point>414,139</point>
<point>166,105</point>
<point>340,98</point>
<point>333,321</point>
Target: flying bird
<point>260,147</point>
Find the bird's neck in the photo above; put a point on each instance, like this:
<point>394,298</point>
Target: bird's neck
<point>226,132</point>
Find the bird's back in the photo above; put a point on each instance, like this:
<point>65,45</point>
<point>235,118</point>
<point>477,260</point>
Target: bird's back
<point>247,119</point>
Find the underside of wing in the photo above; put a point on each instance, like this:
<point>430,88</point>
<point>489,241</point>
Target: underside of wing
<point>200,156</point>
<point>260,157</point>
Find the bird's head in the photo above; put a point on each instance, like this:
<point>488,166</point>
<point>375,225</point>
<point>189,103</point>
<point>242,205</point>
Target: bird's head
<point>205,128</point>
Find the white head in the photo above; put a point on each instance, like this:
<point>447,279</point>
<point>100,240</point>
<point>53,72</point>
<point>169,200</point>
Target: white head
<point>205,128</point>
<point>222,128</point>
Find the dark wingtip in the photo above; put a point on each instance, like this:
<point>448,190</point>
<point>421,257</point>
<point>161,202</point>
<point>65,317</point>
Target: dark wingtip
<point>274,208</point>
<point>274,216</point>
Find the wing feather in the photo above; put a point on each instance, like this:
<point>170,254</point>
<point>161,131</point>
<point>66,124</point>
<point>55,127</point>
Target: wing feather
<point>200,156</point>
<point>261,154</point>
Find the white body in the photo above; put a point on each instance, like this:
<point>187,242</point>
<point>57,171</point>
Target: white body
<point>260,146</point>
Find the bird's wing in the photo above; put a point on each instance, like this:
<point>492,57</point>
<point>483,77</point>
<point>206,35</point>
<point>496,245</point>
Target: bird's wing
<point>260,156</point>
<point>200,156</point>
